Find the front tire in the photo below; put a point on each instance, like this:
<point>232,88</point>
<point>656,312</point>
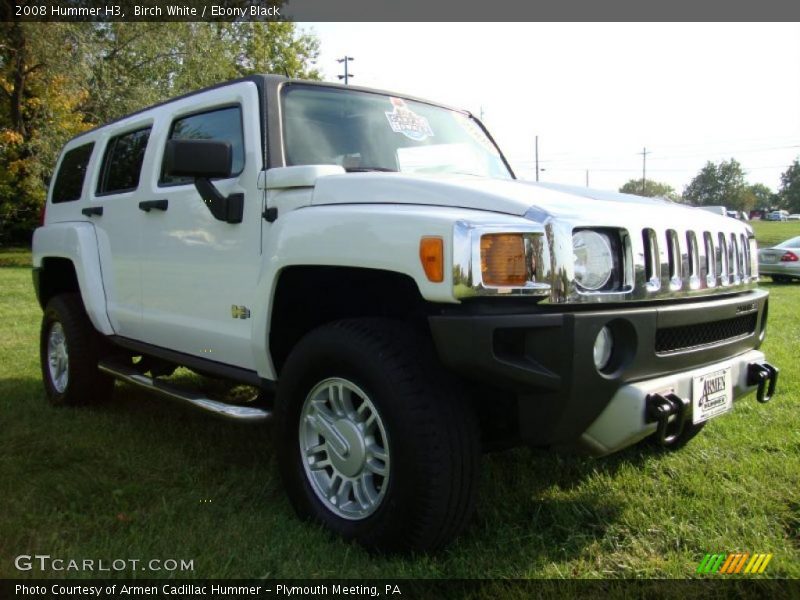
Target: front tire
<point>70,348</point>
<point>373,441</point>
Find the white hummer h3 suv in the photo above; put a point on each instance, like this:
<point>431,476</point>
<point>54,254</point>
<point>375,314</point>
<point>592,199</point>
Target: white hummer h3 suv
<point>371,264</point>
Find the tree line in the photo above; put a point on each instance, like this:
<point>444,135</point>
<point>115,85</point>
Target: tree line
<point>60,79</point>
<point>725,184</point>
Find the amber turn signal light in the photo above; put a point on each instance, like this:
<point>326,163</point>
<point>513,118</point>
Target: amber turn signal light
<point>431,254</point>
<point>503,259</point>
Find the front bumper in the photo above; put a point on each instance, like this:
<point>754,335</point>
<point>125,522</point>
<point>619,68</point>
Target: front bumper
<point>625,420</point>
<point>545,362</point>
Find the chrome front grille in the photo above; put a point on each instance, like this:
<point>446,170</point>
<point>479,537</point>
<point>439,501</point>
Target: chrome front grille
<point>716,255</point>
<point>672,262</point>
<point>659,263</point>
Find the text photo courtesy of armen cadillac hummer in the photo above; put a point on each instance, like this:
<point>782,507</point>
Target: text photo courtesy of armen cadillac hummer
<point>340,309</point>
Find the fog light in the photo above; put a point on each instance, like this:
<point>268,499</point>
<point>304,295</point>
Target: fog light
<point>603,345</point>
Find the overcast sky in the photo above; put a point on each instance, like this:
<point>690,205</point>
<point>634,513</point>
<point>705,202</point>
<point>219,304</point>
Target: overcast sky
<point>597,94</point>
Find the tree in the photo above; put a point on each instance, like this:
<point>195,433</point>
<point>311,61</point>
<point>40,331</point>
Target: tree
<point>763,197</point>
<point>40,96</point>
<point>720,185</point>
<point>652,189</point>
<point>138,64</point>
<point>789,192</point>
<point>58,79</point>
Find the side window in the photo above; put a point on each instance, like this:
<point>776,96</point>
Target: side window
<point>69,180</point>
<point>221,124</point>
<point>122,163</point>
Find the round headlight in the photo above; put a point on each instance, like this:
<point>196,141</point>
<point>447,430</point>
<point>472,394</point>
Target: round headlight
<point>593,260</point>
<point>603,345</point>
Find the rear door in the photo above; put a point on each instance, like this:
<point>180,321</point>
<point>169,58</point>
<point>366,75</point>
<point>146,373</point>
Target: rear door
<point>117,187</point>
<point>199,274</point>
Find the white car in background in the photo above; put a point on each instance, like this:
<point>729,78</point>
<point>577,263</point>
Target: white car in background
<point>781,262</point>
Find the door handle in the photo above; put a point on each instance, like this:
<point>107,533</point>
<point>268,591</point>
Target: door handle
<point>92,211</point>
<point>148,205</point>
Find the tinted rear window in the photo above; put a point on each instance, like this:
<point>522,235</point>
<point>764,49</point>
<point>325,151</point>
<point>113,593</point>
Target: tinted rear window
<point>69,180</point>
<point>122,164</point>
<point>223,124</point>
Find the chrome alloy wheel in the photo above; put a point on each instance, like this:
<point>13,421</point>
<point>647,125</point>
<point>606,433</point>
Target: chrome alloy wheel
<point>58,358</point>
<point>344,448</point>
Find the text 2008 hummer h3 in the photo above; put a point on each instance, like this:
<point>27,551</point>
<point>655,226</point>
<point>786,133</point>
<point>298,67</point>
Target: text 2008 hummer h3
<point>371,264</point>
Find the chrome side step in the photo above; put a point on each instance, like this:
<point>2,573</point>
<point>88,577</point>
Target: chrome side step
<point>128,374</point>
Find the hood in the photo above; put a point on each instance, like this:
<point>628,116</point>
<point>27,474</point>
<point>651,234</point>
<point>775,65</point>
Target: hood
<point>539,201</point>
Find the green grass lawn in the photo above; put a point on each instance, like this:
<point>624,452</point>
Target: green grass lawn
<point>769,233</point>
<point>141,478</point>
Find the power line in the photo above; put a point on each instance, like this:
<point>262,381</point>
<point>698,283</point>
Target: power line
<point>745,151</point>
<point>772,167</point>
<point>634,169</point>
<point>728,152</point>
<point>771,139</point>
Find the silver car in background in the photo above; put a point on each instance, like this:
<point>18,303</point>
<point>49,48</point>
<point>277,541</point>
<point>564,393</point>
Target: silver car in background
<point>781,262</point>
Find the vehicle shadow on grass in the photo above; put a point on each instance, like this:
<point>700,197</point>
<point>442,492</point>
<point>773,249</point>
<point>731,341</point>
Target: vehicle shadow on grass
<point>534,508</point>
<point>539,507</point>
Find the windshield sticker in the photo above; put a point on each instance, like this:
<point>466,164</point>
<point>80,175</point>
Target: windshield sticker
<point>403,120</point>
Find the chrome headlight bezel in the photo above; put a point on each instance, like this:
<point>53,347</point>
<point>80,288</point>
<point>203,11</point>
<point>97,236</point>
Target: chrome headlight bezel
<point>467,274</point>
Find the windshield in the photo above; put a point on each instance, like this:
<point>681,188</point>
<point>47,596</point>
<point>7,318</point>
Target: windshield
<point>364,131</point>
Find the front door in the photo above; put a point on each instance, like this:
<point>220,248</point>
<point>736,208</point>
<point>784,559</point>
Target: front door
<point>198,273</point>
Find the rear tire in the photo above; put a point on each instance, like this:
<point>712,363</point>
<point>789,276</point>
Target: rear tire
<point>70,348</point>
<point>418,441</point>
<point>781,279</point>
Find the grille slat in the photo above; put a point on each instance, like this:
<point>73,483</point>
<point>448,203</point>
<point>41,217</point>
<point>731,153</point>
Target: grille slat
<point>687,337</point>
<point>693,260</point>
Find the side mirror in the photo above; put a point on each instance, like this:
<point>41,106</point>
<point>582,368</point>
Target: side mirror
<point>203,160</point>
<point>198,158</point>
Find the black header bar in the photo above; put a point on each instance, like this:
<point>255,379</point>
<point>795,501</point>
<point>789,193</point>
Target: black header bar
<point>406,11</point>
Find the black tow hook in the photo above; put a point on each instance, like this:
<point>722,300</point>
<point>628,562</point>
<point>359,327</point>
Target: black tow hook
<point>660,407</point>
<point>765,376</point>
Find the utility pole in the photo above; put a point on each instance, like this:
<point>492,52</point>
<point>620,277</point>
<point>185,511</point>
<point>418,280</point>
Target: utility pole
<point>644,154</point>
<point>347,75</point>
<point>587,177</point>
<point>537,158</point>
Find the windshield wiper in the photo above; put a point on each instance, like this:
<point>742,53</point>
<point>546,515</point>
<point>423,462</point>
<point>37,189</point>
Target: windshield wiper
<point>366,169</point>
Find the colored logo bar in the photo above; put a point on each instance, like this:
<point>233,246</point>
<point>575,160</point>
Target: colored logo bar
<point>734,563</point>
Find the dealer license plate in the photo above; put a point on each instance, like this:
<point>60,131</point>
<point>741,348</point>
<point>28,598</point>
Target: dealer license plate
<point>712,394</point>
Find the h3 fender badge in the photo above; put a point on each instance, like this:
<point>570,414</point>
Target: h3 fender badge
<point>240,312</point>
